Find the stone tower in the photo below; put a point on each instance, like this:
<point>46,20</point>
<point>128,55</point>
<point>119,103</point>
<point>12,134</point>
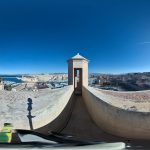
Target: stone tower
<point>78,72</point>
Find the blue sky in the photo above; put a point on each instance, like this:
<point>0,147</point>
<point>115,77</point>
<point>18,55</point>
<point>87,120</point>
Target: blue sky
<point>38,36</point>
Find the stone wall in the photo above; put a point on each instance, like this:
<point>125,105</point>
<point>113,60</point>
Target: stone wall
<point>114,120</point>
<point>45,107</point>
<point>77,63</point>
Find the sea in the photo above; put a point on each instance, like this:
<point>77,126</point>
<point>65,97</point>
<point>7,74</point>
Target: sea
<point>11,78</point>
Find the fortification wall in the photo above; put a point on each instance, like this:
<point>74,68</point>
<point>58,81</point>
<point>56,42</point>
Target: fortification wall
<point>49,114</point>
<point>114,120</point>
<point>45,107</point>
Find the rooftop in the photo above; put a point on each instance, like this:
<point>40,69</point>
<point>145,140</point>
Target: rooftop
<point>78,56</point>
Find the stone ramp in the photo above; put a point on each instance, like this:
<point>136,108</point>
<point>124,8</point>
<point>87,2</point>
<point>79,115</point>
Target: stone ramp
<point>82,127</point>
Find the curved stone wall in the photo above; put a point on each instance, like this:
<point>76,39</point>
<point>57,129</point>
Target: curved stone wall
<point>49,113</point>
<point>46,106</point>
<point>115,120</point>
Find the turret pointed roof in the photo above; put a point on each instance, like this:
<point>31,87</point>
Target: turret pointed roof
<point>78,56</point>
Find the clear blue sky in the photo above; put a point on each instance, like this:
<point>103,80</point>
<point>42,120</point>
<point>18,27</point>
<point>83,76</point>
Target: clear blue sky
<point>38,36</point>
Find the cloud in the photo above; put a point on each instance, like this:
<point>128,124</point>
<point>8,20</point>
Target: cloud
<point>143,43</point>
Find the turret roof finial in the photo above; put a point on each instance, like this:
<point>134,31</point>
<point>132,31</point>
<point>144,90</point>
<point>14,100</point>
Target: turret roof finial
<point>78,56</point>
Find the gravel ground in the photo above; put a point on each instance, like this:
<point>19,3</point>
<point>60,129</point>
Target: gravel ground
<point>133,101</point>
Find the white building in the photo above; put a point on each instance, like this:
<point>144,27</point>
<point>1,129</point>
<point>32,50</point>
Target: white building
<point>1,86</point>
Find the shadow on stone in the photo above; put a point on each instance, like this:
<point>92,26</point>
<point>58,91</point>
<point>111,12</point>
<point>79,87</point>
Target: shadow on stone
<point>29,103</point>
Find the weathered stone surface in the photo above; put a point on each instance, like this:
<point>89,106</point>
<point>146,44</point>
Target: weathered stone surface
<point>46,105</point>
<point>115,119</point>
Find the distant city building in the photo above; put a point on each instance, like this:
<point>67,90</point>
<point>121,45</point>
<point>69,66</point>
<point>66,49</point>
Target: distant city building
<point>19,87</point>
<point>1,85</point>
